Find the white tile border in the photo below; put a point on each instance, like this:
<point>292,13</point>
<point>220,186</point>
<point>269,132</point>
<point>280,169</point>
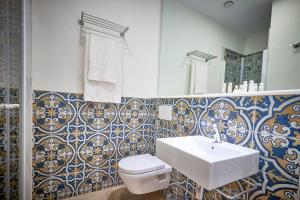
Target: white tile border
<point>262,93</point>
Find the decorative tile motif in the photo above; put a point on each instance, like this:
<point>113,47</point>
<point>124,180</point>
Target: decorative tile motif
<point>183,119</point>
<point>133,144</point>
<point>283,117</point>
<point>96,180</point>
<point>98,116</point>
<point>280,155</point>
<point>97,151</point>
<point>211,115</point>
<point>52,113</point>
<point>51,155</point>
<point>175,192</point>
<point>154,120</point>
<point>41,191</point>
<point>53,189</point>
<point>237,119</point>
<point>272,187</point>
<point>262,110</point>
<point>134,113</point>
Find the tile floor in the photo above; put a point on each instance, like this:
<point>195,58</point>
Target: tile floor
<point>118,193</point>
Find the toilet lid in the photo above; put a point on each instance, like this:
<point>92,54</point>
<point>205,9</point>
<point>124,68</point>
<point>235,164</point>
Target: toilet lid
<point>140,164</point>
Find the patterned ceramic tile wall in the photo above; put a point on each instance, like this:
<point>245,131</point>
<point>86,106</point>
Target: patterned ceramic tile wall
<point>270,124</point>
<point>77,144</point>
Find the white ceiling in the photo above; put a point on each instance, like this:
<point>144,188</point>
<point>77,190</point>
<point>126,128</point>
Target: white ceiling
<point>245,16</point>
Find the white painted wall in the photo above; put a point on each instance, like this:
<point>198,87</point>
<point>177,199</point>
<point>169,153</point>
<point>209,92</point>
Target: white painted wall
<point>57,56</point>
<point>184,29</point>
<point>257,42</point>
<point>284,62</point>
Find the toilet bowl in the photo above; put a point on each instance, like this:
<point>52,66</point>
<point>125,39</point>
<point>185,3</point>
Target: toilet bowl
<point>144,173</point>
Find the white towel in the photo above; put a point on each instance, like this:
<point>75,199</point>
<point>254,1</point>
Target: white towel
<point>199,73</point>
<point>100,87</point>
<point>102,58</point>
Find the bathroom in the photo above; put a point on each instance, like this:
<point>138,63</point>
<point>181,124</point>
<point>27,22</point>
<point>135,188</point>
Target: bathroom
<point>150,99</point>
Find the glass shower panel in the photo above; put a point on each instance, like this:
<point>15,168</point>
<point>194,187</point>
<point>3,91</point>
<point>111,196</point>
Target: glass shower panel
<point>10,76</point>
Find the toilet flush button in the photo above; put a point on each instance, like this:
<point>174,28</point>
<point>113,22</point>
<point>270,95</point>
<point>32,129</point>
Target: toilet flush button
<point>165,112</point>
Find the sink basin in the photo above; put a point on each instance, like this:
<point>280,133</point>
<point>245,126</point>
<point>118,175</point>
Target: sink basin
<point>209,164</point>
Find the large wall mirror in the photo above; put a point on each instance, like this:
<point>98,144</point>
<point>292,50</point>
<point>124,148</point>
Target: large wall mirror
<point>206,43</point>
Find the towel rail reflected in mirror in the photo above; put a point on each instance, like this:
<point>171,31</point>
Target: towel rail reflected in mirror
<point>201,55</point>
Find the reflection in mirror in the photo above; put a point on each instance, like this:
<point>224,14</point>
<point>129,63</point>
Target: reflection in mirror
<point>250,41</point>
<point>240,68</point>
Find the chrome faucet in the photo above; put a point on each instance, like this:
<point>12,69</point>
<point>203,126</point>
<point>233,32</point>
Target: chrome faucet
<point>217,135</point>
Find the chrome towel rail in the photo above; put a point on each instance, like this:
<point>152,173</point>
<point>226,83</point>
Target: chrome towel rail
<point>99,22</point>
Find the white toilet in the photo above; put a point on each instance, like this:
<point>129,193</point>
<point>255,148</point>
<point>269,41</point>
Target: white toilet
<point>144,173</point>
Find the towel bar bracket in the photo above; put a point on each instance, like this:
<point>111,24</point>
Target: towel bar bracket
<point>295,45</point>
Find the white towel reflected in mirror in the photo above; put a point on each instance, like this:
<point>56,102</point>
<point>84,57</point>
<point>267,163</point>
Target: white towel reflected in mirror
<point>199,76</point>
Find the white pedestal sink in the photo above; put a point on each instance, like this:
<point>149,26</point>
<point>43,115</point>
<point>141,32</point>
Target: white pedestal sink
<point>209,164</point>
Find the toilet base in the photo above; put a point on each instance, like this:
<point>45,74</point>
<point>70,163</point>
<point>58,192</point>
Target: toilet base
<point>147,182</point>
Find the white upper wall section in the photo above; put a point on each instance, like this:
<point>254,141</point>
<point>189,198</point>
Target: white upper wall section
<point>245,17</point>
<point>257,42</point>
<point>284,62</point>
<point>58,56</point>
<point>185,29</point>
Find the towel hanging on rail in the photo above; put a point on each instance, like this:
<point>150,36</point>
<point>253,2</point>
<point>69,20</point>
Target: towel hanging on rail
<point>101,83</point>
<point>198,80</point>
<point>102,59</point>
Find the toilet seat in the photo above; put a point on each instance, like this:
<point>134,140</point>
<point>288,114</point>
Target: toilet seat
<point>144,173</point>
<point>140,164</point>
